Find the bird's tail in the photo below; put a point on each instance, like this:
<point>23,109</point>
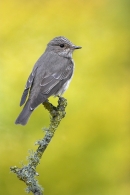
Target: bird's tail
<point>24,115</point>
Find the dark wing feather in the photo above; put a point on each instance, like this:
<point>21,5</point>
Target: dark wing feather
<point>50,84</point>
<point>51,81</point>
<point>28,85</point>
<point>24,96</point>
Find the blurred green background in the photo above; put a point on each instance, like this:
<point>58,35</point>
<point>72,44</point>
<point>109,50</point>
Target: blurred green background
<point>90,152</point>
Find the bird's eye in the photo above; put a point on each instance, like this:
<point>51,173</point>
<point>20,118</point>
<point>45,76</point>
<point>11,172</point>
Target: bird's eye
<point>61,45</point>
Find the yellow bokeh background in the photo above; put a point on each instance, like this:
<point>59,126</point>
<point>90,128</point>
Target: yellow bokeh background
<point>90,152</point>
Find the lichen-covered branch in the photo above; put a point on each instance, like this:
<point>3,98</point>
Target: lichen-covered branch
<point>28,172</point>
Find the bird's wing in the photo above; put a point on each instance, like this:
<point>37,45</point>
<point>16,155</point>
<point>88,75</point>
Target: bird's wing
<point>28,85</point>
<point>51,83</point>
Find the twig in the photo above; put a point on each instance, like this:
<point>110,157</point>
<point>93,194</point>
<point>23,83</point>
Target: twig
<point>28,172</point>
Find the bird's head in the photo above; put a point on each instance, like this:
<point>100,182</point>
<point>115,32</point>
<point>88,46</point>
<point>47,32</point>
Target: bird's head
<point>62,46</point>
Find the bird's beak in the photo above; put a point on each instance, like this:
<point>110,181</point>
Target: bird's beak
<point>77,47</point>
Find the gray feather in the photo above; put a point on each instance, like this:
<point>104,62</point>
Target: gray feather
<point>24,115</point>
<point>28,85</point>
<point>24,96</point>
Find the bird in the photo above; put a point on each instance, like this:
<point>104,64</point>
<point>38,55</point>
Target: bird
<point>50,76</point>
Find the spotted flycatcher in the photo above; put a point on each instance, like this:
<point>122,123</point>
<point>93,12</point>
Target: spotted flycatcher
<point>50,76</point>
